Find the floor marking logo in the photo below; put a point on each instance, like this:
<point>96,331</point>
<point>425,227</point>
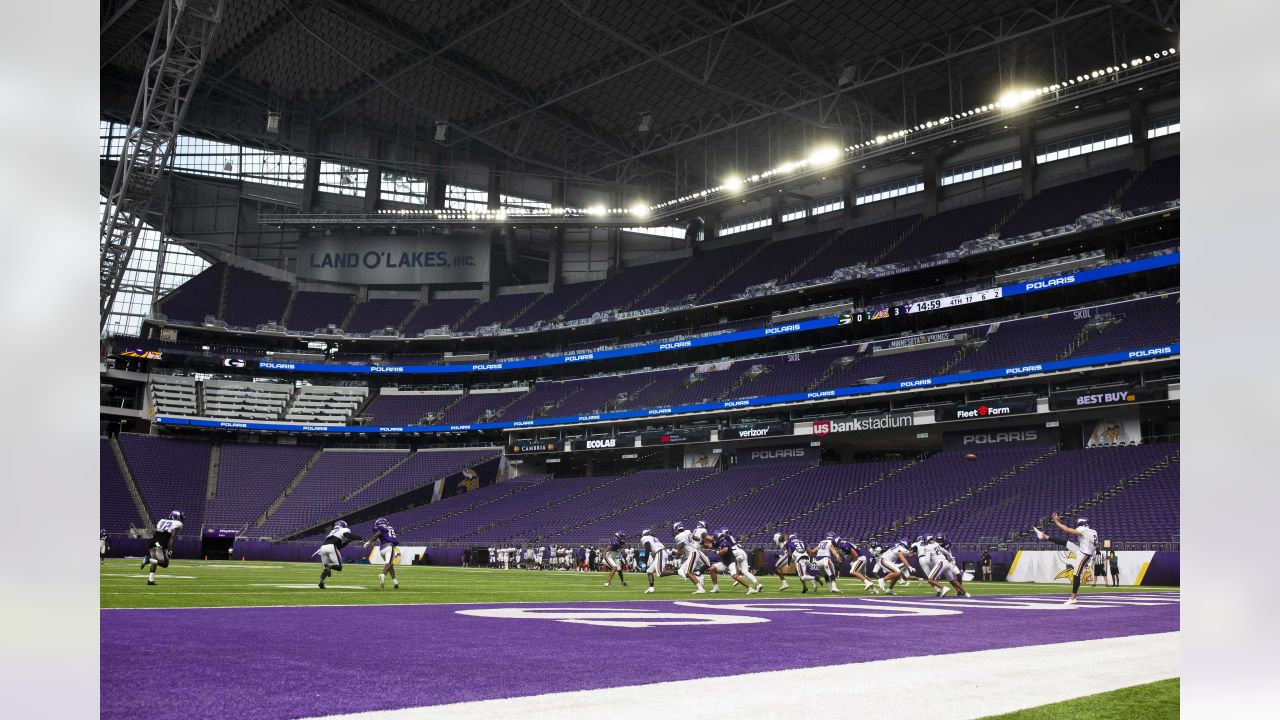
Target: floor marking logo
<point>606,617</point>
<point>842,609</point>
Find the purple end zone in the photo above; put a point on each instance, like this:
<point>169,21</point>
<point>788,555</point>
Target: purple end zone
<point>289,662</point>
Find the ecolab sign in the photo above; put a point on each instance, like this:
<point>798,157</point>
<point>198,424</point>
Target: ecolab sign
<point>875,422</point>
<point>598,444</point>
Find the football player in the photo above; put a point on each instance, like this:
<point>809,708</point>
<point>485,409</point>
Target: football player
<point>733,560</point>
<point>842,548</point>
<point>792,552</point>
<point>1085,542</point>
<point>692,559</point>
<point>389,546</point>
<point>104,545</point>
<point>946,567</point>
<point>160,547</point>
<point>823,567</point>
<point>897,561</point>
<point>613,557</point>
<point>924,548</point>
<point>330,550</point>
<point>655,555</point>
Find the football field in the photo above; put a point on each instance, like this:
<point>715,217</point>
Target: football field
<point>260,640</point>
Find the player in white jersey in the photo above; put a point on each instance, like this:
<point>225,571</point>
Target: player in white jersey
<point>897,560</point>
<point>732,559</point>
<point>824,568</point>
<point>930,564</point>
<point>945,567</point>
<point>104,545</point>
<point>699,550</point>
<point>692,560</point>
<point>160,547</point>
<point>1085,543</point>
<point>656,556</point>
<point>331,551</point>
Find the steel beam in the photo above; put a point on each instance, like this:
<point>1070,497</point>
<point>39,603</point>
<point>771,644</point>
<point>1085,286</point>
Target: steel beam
<point>177,57</point>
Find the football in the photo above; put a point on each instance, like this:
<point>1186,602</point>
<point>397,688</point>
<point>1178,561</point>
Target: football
<point>970,457</point>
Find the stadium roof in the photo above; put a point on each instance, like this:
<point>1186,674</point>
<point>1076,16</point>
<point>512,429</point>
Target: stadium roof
<point>562,86</point>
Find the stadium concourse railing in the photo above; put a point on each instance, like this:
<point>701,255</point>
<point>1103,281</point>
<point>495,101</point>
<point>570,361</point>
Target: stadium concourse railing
<point>1139,354</point>
<point>681,342</point>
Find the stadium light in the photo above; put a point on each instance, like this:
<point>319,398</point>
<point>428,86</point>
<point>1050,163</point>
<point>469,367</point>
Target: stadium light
<point>640,210</point>
<point>824,155</point>
<point>595,211</point>
<point>1015,98</point>
<point>733,183</point>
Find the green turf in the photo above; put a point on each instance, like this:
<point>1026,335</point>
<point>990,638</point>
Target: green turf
<point>195,583</point>
<point>1154,701</point>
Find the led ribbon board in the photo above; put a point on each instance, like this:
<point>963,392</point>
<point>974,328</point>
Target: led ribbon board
<point>971,376</point>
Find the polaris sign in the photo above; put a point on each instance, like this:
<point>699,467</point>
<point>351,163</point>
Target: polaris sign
<point>777,454</point>
<point>994,408</point>
<point>394,259</point>
<point>1012,436</point>
<point>858,424</point>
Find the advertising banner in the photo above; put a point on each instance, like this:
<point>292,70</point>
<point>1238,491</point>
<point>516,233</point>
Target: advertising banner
<point>674,437</point>
<point>604,442</point>
<point>520,447</point>
<point>778,453</point>
<point>990,409</point>
<point>883,421</point>
<point>1031,435</point>
<point>1050,566</point>
<point>700,456</point>
<point>758,431</point>
<point>1111,396</point>
<point>142,354</point>
<point>1109,432</point>
<point>394,259</point>
<point>220,533</point>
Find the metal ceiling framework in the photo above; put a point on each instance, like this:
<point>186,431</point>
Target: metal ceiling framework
<point>179,48</point>
<point>559,84</point>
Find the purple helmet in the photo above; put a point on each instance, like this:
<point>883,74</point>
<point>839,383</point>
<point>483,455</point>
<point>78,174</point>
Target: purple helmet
<point>619,535</point>
<point>380,522</point>
<point>829,536</point>
<point>677,527</point>
<point>701,524</point>
<point>645,531</point>
<point>722,531</point>
<point>340,524</point>
<point>1082,521</point>
<point>176,515</point>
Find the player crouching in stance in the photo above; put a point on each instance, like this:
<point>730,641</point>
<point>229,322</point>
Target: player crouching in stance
<point>823,567</point>
<point>1085,544</point>
<point>656,554</point>
<point>897,561</point>
<point>389,546</point>
<point>733,560</point>
<point>842,548</point>
<point>329,552</point>
<point>613,558</point>
<point>160,548</point>
<point>792,551</point>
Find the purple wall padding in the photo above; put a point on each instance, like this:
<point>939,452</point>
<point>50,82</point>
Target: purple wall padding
<point>1165,569</point>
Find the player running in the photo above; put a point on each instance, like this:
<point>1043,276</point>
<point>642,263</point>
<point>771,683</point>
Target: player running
<point>104,545</point>
<point>330,551</point>
<point>656,554</point>
<point>897,561</point>
<point>160,547</point>
<point>733,560</point>
<point>842,548</point>
<point>792,552</point>
<point>389,546</point>
<point>823,567</point>
<point>613,557</point>
<point>1085,544</point>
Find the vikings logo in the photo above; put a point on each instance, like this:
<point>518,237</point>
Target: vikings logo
<point>1067,558</point>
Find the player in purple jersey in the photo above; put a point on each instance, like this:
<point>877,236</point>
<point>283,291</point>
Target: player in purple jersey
<point>613,558</point>
<point>791,551</point>
<point>160,547</point>
<point>843,549</point>
<point>733,560</point>
<point>389,546</point>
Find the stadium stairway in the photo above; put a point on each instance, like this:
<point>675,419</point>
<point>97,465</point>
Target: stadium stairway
<point>769,528</point>
<point>725,276</point>
<point>385,472</point>
<point>129,483</point>
<point>1082,508</point>
<point>900,525</point>
<point>657,284</point>
<point>884,252</point>
<point>804,262</point>
<point>515,490</point>
<point>222,293</point>
<point>211,486</point>
<point>288,306</point>
<point>697,478</point>
<point>351,312</point>
<point>463,317</point>
<point>288,489</point>
<point>510,322</point>
<point>522,516</point>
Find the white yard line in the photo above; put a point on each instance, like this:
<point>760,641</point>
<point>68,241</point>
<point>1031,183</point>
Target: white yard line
<point>971,685</point>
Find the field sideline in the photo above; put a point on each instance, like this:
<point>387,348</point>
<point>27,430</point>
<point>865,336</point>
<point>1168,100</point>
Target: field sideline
<point>196,583</point>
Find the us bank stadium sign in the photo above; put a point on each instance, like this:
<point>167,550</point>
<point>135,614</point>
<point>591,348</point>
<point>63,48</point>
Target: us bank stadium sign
<point>887,421</point>
<point>393,259</point>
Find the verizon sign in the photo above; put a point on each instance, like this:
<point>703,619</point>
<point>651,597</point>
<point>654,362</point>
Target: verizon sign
<point>860,424</point>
